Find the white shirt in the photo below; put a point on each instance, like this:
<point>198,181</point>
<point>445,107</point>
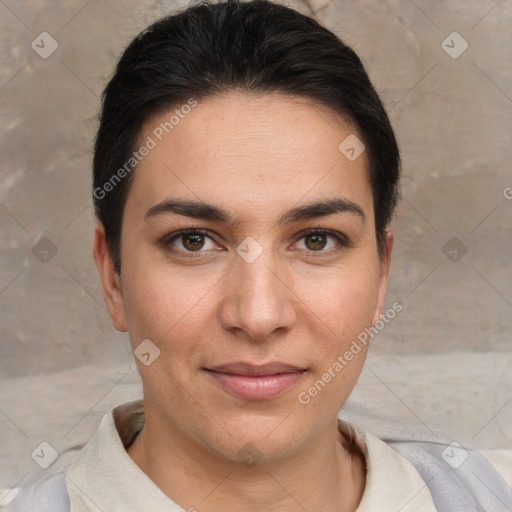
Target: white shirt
<point>104,478</point>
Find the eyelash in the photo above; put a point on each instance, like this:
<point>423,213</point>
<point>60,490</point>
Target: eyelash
<point>342,241</point>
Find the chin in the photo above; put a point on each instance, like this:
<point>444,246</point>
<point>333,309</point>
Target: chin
<point>257,437</point>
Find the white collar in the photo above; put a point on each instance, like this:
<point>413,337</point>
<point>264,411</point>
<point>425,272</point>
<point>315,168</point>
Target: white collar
<point>104,477</point>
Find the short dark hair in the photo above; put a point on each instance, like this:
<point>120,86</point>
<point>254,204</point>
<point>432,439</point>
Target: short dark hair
<point>254,46</point>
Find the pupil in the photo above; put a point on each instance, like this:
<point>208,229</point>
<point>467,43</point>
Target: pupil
<point>317,239</point>
<point>196,241</point>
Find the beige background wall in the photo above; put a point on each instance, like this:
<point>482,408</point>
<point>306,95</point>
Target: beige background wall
<point>441,370</point>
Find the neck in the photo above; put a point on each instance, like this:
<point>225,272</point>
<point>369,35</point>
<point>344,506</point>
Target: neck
<point>326,476</point>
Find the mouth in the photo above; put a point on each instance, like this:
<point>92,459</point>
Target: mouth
<point>252,382</point>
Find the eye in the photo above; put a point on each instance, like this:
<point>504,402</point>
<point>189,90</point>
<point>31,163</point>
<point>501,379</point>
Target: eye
<point>195,240</point>
<point>322,240</point>
<point>190,240</point>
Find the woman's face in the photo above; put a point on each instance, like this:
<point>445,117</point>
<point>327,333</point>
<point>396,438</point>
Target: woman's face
<point>252,310</point>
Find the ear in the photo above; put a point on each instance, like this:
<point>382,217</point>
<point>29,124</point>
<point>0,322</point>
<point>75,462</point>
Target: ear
<point>385,264</point>
<point>110,279</point>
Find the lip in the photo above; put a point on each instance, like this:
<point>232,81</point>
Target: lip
<point>256,382</point>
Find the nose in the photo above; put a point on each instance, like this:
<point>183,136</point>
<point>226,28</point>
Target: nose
<point>258,298</point>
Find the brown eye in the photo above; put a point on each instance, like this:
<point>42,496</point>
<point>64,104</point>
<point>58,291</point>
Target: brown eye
<point>322,241</point>
<point>316,241</point>
<point>190,241</point>
<point>193,242</point>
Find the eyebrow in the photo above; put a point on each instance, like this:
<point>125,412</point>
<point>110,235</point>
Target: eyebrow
<point>202,210</point>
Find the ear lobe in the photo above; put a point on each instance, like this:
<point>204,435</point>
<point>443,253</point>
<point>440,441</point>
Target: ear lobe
<point>385,264</point>
<point>110,280</point>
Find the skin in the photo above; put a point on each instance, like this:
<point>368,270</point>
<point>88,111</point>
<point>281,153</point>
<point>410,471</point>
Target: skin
<point>302,302</point>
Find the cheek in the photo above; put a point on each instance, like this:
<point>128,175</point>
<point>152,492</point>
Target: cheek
<point>339,310</point>
<point>174,308</point>
<point>158,301</point>
<point>343,301</point>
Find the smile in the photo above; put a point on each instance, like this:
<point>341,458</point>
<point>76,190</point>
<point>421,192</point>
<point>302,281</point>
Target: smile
<point>256,382</point>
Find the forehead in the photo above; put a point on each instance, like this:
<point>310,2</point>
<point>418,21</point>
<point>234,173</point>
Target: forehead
<point>250,151</point>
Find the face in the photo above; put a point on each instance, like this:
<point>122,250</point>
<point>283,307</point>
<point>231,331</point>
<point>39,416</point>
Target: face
<point>275,277</point>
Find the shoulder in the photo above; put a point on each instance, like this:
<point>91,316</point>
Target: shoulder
<point>447,477</point>
<point>459,478</point>
<point>502,461</point>
<point>45,492</point>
